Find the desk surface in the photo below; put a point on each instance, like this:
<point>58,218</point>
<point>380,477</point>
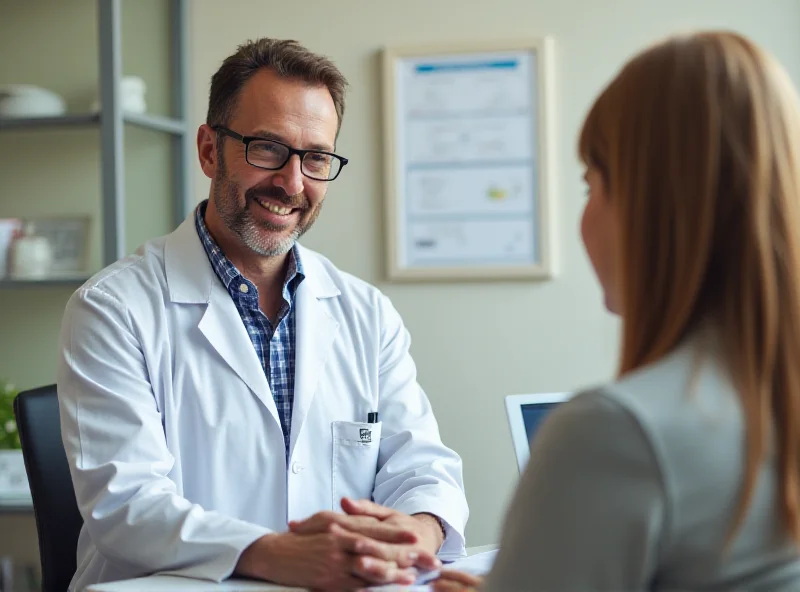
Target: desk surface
<point>178,584</point>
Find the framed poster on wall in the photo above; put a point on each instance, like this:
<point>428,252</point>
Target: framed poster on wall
<point>468,161</point>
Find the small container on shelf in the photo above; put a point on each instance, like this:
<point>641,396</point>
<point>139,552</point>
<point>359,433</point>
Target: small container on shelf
<point>27,101</point>
<point>31,255</point>
<point>132,91</point>
<point>9,230</point>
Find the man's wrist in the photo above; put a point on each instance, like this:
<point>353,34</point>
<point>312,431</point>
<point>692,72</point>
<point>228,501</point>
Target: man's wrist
<point>436,525</point>
<point>253,562</point>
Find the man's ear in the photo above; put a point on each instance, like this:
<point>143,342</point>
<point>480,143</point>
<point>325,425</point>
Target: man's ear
<point>207,150</point>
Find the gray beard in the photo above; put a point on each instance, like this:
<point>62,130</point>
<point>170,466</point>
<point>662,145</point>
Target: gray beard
<point>242,224</point>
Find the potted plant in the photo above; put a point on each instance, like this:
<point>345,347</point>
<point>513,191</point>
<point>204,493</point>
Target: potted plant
<point>13,480</point>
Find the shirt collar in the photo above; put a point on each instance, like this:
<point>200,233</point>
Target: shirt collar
<point>231,278</point>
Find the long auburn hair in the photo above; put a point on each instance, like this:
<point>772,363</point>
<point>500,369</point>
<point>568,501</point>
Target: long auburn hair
<point>698,141</point>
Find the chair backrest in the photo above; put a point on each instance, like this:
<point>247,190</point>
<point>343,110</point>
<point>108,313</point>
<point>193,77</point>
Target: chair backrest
<point>58,521</point>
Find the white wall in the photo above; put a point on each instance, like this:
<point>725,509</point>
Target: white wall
<point>475,343</point>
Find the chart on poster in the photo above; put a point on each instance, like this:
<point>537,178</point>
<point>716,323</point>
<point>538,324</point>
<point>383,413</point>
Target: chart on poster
<point>466,136</point>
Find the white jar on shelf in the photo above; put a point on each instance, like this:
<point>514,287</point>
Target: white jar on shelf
<point>31,255</point>
<point>132,91</point>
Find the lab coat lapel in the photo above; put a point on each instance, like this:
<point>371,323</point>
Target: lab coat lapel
<point>316,331</point>
<point>191,280</point>
<point>225,331</point>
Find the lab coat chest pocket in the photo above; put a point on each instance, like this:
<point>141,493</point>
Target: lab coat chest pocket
<point>355,459</point>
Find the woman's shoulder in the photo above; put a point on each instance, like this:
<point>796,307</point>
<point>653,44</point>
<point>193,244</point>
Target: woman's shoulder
<point>683,410</point>
<point>689,390</point>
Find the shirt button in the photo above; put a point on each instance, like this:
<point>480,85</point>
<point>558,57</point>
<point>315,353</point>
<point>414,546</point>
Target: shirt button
<point>297,468</point>
<point>243,288</point>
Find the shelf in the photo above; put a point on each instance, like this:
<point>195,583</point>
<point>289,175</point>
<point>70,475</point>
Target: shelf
<point>155,122</point>
<point>144,120</point>
<point>45,282</point>
<point>77,120</point>
<point>9,509</point>
<point>16,505</point>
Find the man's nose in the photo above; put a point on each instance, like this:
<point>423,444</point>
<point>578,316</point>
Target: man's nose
<point>290,177</point>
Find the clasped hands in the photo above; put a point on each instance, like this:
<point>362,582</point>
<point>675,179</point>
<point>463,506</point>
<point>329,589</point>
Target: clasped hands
<point>367,545</point>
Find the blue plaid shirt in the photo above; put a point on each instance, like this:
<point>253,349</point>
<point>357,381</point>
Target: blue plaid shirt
<point>275,346</point>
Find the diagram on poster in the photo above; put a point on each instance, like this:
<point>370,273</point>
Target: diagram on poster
<point>466,131</point>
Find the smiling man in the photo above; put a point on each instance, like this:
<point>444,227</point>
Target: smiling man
<point>231,402</point>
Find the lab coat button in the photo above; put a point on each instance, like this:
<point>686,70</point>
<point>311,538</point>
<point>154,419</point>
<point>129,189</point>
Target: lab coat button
<point>297,467</point>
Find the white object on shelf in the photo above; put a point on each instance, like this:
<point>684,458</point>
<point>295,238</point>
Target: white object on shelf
<point>131,93</point>
<point>8,229</point>
<point>13,479</point>
<point>25,100</point>
<point>31,255</point>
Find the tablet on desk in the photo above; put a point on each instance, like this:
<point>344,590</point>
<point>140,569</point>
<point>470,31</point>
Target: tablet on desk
<point>525,413</point>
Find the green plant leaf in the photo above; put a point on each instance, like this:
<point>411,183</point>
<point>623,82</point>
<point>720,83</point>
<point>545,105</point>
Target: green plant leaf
<point>9,435</point>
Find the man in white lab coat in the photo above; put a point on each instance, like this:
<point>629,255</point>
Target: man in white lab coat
<point>223,389</point>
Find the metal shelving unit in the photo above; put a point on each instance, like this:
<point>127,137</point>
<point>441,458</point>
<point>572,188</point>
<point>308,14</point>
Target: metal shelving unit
<point>80,120</point>
<point>143,120</point>
<point>111,121</point>
<point>156,123</point>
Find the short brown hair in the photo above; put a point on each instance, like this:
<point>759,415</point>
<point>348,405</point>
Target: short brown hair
<point>287,58</point>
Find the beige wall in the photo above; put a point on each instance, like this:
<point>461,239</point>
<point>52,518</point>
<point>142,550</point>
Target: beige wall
<point>476,343</point>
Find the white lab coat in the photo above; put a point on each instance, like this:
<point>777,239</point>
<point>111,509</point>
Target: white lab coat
<point>173,437</point>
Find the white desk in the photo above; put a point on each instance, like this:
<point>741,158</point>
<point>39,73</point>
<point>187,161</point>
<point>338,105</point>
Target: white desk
<point>178,584</point>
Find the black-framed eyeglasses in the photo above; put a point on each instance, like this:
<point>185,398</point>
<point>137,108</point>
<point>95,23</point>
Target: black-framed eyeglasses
<point>273,155</point>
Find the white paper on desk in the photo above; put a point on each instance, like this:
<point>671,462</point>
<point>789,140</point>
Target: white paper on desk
<point>478,565</point>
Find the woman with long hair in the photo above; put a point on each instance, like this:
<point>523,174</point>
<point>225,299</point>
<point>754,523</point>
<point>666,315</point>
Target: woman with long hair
<point>683,473</point>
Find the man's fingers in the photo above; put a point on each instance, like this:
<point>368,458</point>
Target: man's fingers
<point>359,576</point>
<point>427,561</point>
<point>382,532</point>
<point>359,544</point>
<point>365,525</point>
<point>320,522</point>
<point>380,568</point>
<point>402,555</point>
<point>316,524</point>
<point>365,508</point>
<point>460,578</point>
<point>308,527</point>
<point>387,533</point>
<point>450,586</point>
<point>347,540</point>
<point>378,571</point>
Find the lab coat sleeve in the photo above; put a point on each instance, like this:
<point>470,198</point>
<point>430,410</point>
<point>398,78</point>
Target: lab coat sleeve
<point>118,455</point>
<point>416,471</point>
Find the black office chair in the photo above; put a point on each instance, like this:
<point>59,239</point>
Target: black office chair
<point>58,521</point>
